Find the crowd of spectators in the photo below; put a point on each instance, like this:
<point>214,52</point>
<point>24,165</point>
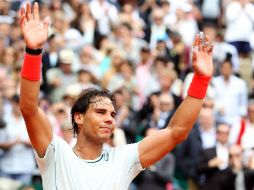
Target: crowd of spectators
<point>141,52</point>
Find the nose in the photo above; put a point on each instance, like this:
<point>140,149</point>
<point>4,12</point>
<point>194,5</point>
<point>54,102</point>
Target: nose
<point>109,119</point>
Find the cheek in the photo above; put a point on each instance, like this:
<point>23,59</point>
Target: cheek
<point>92,122</point>
<point>113,125</point>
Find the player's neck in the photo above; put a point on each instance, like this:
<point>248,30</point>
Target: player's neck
<point>87,150</point>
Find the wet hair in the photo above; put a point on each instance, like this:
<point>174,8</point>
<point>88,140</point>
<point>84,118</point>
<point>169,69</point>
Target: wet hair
<point>87,97</point>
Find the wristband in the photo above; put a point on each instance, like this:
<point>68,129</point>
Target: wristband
<point>31,69</point>
<point>198,86</point>
<point>33,51</point>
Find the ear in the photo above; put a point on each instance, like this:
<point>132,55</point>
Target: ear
<point>78,117</point>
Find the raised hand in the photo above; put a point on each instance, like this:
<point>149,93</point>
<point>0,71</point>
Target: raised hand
<point>202,56</point>
<point>35,32</point>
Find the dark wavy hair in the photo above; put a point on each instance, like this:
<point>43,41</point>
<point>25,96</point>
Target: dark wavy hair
<point>84,100</point>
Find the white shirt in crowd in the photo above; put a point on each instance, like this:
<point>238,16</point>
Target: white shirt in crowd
<point>239,21</point>
<point>231,98</point>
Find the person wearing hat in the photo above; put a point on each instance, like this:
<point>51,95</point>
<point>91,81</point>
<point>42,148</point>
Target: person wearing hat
<point>59,78</point>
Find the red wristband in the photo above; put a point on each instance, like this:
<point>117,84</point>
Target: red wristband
<point>31,69</point>
<point>198,86</point>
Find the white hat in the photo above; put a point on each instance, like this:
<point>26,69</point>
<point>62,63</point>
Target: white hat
<point>66,56</point>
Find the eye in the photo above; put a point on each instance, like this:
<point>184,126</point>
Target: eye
<point>100,112</point>
<point>113,115</point>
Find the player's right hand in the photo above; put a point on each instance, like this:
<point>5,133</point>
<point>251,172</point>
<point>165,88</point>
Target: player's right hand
<point>35,32</point>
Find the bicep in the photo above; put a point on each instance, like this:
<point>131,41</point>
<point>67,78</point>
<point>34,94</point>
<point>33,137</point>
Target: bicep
<point>39,131</point>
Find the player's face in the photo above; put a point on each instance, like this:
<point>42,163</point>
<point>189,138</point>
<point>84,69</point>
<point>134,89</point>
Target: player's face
<point>99,120</point>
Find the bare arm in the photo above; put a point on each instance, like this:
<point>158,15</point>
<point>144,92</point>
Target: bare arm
<point>38,126</point>
<point>154,147</point>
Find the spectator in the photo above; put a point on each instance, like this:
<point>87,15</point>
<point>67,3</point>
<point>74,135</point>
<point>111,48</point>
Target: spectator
<point>203,136</point>
<point>50,60</point>
<point>124,119</point>
<point>105,15</point>
<point>243,131</point>
<point>130,44</point>
<point>222,49</point>
<point>144,75</point>
<point>160,175</point>
<point>230,94</point>
<point>129,14</point>
<point>239,16</point>
<point>243,173</point>
<point>212,12</point>
<point>163,112</point>
<point>85,23</point>
<point>59,78</point>
<point>18,162</point>
<point>157,30</point>
<point>170,84</point>
<point>214,162</point>
<point>185,22</point>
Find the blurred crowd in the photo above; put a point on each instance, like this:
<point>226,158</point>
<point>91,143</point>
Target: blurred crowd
<point>141,52</point>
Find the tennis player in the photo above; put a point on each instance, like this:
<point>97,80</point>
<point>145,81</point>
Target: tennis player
<point>88,166</point>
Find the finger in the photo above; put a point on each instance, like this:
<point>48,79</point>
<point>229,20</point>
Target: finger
<point>201,38</point>
<point>194,57</point>
<point>200,47</point>
<point>36,11</point>
<point>196,40</point>
<point>195,43</point>
<point>206,44</point>
<point>207,39</point>
<point>201,41</point>
<point>46,22</point>
<point>28,12</point>
<point>22,16</point>
<point>210,50</point>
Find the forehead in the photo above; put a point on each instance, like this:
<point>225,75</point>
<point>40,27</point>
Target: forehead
<point>166,98</point>
<point>101,103</point>
<point>223,127</point>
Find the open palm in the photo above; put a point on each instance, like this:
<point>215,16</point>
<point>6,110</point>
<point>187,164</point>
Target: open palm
<point>202,56</point>
<point>35,32</point>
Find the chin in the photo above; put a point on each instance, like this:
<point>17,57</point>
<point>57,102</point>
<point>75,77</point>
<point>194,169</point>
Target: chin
<point>105,138</point>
